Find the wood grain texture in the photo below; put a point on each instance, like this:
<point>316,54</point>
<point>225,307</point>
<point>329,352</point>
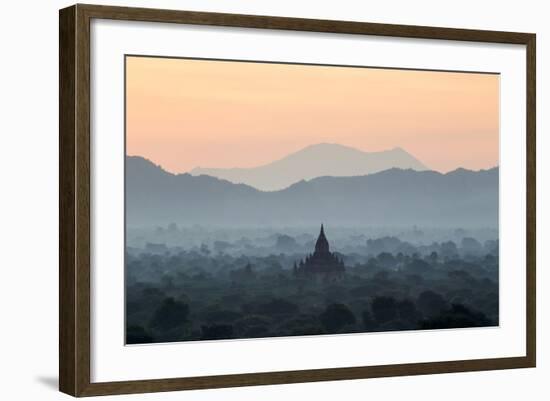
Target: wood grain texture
<point>74,199</point>
<point>82,160</point>
<point>301,376</point>
<point>74,205</point>
<point>67,117</point>
<point>301,24</point>
<point>531,201</point>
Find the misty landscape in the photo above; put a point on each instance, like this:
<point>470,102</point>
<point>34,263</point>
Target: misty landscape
<point>326,240</point>
<point>283,199</point>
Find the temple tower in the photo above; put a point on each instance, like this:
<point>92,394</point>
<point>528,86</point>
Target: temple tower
<point>321,262</point>
<point>321,246</point>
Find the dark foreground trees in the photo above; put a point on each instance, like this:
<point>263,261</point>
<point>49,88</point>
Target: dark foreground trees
<point>336,316</point>
<point>170,321</point>
<point>204,296</point>
<point>169,315</point>
<point>457,316</point>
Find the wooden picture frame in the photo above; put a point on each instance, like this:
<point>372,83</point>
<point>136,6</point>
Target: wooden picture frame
<point>74,199</point>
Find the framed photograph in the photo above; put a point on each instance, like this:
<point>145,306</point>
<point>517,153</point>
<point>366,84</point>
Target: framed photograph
<point>250,200</point>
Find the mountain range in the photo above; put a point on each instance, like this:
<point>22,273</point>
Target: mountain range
<point>393,197</point>
<point>318,160</point>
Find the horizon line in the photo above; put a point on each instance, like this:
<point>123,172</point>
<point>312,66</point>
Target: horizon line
<point>313,178</point>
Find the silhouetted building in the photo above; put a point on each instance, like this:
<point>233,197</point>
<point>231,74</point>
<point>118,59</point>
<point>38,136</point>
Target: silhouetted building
<point>322,262</point>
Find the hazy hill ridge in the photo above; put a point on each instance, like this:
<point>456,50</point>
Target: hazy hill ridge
<point>392,197</point>
<point>314,161</point>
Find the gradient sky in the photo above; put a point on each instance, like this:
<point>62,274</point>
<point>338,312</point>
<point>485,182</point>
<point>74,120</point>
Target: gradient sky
<point>183,114</point>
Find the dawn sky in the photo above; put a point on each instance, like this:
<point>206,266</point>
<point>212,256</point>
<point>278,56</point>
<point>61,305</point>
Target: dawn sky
<point>183,114</point>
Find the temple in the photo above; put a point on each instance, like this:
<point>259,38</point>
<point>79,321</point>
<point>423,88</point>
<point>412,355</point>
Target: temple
<point>322,262</point>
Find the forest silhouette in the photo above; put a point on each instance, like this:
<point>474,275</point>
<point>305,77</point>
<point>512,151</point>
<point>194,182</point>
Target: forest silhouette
<point>223,292</point>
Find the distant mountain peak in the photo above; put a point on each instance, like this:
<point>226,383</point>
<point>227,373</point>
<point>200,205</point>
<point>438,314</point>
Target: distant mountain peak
<point>316,160</point>
<point>327,145</point>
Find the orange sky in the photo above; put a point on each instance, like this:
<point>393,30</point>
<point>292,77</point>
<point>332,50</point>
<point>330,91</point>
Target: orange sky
<point>183,114</point>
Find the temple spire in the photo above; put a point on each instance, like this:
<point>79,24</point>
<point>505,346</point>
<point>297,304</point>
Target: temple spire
<point>321,246</point>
